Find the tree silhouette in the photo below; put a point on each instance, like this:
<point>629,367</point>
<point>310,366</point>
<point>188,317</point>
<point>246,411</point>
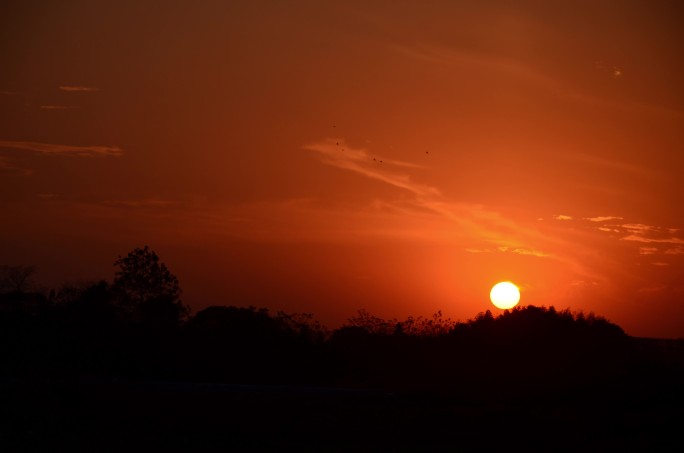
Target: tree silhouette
<point>147,287</point>
<point>16,279</point>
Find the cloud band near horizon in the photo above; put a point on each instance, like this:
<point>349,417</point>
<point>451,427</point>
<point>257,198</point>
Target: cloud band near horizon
<point>64,150</point>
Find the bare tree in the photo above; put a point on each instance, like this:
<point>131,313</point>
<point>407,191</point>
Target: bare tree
<point>16,279</point>
<point>147,285</point>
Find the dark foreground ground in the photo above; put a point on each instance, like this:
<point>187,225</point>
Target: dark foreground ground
<point>632,415</point>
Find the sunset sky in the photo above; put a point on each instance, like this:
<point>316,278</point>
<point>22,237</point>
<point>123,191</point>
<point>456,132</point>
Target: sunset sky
<point>328,156</point>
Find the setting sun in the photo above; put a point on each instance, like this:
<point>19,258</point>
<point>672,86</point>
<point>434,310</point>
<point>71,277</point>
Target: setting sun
<point>504,295</point>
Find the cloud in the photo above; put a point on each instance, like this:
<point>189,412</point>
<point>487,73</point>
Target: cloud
<point>64,150</point>
<point>337,154</point>
<point>649,234</point>
<point>609,164</point>
<point>8,93</point>
<point>641,233</point>
<point>142,203</point>
<point>78,89</point>
<point>476,250</point>
<point>584,283</point>
<point>500,64</point>
<point>636,238</point>
<point>478,221</point>
<point>506,249</point>
<point>6,166</point>
<point>613,71</point>
<point>529,252</point>
<point>602,218</point>
<point>638,227</point>
<point>562,217</point>
<point>514,250</point>
<point>477,228</point>
<point>56,107</point>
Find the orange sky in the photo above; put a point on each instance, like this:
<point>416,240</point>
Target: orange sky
<point>324,157</point>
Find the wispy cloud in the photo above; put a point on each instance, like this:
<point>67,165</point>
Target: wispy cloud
<point>64,150</point>
<point>506,249</point>
<point>638,227</point>
<point>649,234</point>
<point>645,240</point>
<point>476,226</point>
<point>337,154</point>
<point>56,107</point>
<point>571,240</point>
<point>640,233</point>
<point>610,70</point>
<point>504,65</point>
<point>611,164</point>
<point>602,218</point>
<point>7,166</point>
<point>8,93</point>
<point>78,89</point>
<point>142,203</point>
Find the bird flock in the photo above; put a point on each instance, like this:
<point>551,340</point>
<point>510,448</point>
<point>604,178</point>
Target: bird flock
<point>337,143</point>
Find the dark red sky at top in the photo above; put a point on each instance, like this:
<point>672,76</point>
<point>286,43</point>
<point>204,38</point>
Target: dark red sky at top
<point>324,157</point>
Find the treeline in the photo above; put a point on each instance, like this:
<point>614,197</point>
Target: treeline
<point>138,328</point>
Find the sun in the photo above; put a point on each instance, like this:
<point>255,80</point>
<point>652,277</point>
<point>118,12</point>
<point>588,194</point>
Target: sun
<point>504,295</point>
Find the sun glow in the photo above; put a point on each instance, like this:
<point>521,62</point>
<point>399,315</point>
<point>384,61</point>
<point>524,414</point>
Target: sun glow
<point>504,295</point>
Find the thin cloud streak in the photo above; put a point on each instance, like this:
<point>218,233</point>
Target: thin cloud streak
<point>78,89</point>
<point>143,203</point>
<point>362,162</point>
<point>611,164</point>
<point>481,230</point>
<point>440,55</point>
<point>56,107</point>
<point>604,218</point>
<point>64,150</point>
<point>506,249</point>
<point>636,238</point>
<point>6,166</point>
<point>475,223</point>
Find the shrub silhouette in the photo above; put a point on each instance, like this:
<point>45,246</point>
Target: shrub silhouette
<point>239,344</point>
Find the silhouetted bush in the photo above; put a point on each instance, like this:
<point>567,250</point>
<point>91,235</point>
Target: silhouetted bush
<point>238,344</point>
